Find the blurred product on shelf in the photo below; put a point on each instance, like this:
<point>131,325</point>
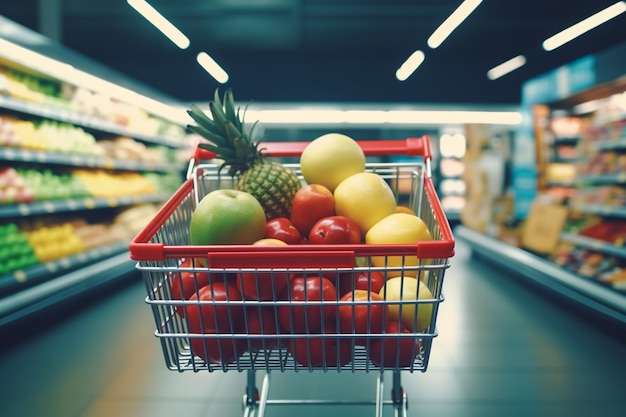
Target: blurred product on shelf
<point>14,188</point>
<point>45,239</point>
<point>63,96</point>
<point>486,208</point>
<point>16,251</point>
<point>133,219</point>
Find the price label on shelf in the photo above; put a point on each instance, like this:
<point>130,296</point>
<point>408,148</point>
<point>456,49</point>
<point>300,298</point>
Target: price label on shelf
<point>543,227</point>
<point>89,203</point>
<point>23,209</point>
<point>20,276</point>
<point>48,207</point>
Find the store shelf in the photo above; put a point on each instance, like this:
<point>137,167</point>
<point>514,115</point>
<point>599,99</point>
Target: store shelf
<point>37,273</point>
<point>60,289</point>
<point>524,264</point>
<point>566,140</point>
<point>77,204</point>
<point>601,210</point>
<point>616,178</point>
<point>609,145</point>
<point>88,122</point>
<point>594,244</point>
<point>85,161</point>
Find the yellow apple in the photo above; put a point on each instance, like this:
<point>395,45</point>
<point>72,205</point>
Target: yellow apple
<point>330,159</point>
<point>404,209</point>
<point>366,198</point>
<point>227,217</point>
<point>416,317</point>
<point>398,228</point>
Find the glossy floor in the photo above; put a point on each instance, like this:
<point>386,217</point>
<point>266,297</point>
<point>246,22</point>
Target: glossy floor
<point>503,350</point>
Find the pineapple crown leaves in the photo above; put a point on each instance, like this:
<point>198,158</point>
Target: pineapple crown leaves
<point>225,133</point>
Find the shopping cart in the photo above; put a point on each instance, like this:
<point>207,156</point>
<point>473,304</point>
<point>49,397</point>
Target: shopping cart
<point>224,331</point>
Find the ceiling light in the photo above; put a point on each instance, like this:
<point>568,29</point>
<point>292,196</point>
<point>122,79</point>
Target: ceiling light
<point>212,67</point>
<point>583,26</point>
<point>160,22</point>
<point>452,22</point>
<point>506,67</point>
<point>410,65</point>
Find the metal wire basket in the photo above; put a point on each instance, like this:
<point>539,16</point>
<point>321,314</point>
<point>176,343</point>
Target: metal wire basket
<point>280,331</point>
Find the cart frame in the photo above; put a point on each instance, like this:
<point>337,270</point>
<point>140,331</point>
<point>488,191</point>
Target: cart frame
<point>164,256</point>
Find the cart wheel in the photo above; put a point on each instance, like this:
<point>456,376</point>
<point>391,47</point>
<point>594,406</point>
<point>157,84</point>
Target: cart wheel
<point>400,402</point>
<point>250,402</point>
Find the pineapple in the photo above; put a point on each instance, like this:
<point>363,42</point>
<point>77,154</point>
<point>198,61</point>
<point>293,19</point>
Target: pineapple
<point>270,182</point>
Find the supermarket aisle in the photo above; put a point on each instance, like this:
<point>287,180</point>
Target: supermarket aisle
<point>502,351</point>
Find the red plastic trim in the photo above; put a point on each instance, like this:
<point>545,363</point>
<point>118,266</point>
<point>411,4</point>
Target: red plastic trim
<point>280,259</point>
<point>299,256</point>
<point>140,248</point>
<point>419,146</point>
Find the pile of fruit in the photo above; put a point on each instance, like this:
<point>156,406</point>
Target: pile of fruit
<point>13,187</point>
<point>28,185</point>
<point>16,252</point>
<point>47,135</point>
<point>46,239</point>
<point>337,203</point>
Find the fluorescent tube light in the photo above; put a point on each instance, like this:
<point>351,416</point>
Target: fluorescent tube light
<point>160,22</point>
<point>393,117</point>
<point>410,65</point>
<point>212,67</point>
<point>506,67</point>
<point>584,26</point>
<point>34,60</point>
<point>452,22</point>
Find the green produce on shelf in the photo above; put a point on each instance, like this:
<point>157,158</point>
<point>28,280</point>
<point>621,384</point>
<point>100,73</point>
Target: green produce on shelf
<point>46,185</point>
<point>16,252</point>
<point>164,183</point>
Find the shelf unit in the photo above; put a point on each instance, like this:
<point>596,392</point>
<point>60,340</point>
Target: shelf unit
<point>87,121</point>
<point>31,289</point>
<point>545,273</point>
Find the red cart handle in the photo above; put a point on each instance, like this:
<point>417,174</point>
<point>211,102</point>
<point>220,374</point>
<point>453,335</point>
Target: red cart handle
<point>419,146</point>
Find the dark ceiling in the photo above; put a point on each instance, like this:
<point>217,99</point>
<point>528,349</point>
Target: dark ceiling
<point>327,50</point>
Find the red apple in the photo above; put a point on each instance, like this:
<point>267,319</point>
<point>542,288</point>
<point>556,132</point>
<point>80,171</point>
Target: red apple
<point>361,280</point>
<point>263,285</point>
<point>311,203</point>
<point>335,230</point>
<point>281,228</point>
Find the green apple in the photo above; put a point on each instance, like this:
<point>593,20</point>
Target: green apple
<point>227,217</point>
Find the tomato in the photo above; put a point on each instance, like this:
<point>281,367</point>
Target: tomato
<point>298,317</point>
<point>281,228</point>
<point>358,318</point>
<point>220,350</point>
<point>322,350</point>
<point>363,280</point>
<point>263,285</point>
<point>311,203</point>
<point>387,350</point>
<point>335,230</point>
<point>217,315</point>
<point>187,283</point>
<point>262,321</point>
